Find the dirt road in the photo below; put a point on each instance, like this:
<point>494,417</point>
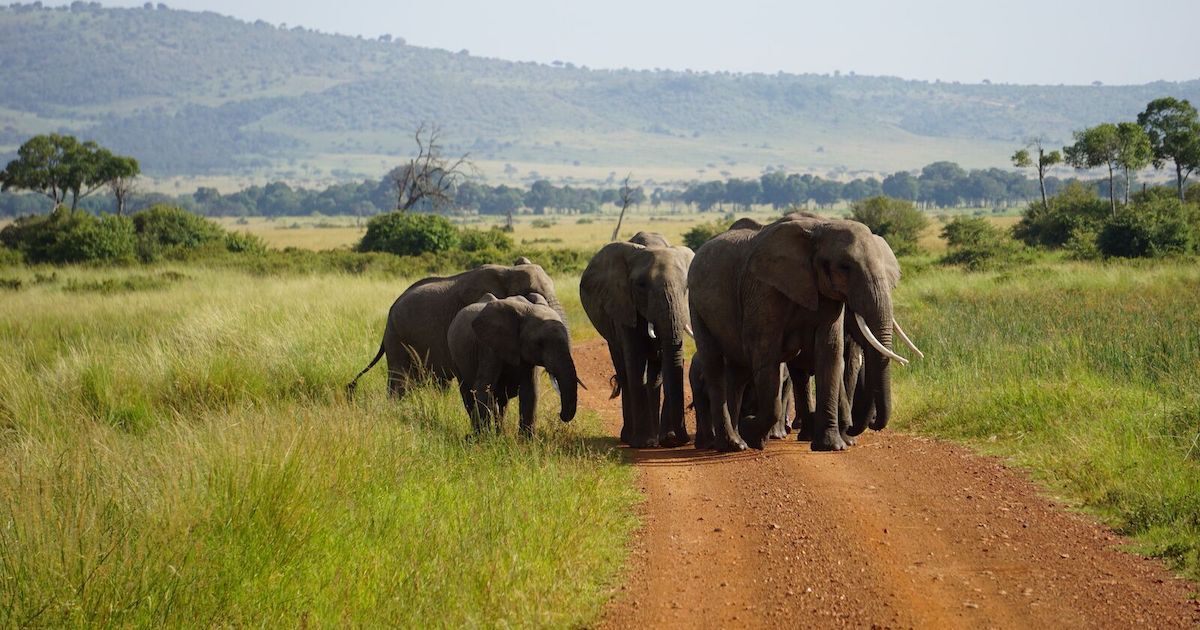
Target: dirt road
<point>899,531</point>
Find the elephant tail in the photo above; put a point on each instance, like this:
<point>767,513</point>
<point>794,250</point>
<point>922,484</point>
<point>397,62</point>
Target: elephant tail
<point>353,385</point>
<point>616,387</point>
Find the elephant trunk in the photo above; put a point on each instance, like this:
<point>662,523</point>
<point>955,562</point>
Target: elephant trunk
<point>671,340</point>
<point>879,372</point>
<point>563,373</point>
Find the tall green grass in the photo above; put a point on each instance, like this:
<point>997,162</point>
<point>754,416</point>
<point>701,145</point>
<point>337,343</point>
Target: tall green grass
<point>184,455</point>
<point>1087,374</point>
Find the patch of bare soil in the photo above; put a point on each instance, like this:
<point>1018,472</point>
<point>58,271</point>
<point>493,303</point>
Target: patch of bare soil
<point>899,531</point>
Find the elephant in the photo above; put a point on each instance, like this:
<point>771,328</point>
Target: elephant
<point>636,297</point>
<point>778,294</point>
<point>496,346</point>
<point>414,339</point>
<point>748,411</point>
<point>649,239</point>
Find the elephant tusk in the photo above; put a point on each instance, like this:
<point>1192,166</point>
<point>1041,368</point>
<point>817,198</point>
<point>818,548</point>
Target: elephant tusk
<point>908,342</point>
<point>866,331</point>
<point>687,328</point>
<point>554,384</point>
<point>650,329</point>
<point>577,380</point>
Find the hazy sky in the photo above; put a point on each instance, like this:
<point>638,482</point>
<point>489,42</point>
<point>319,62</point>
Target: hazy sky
<point>1014,41</point>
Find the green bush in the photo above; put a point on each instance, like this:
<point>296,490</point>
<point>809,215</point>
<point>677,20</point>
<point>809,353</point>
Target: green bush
<point>1158,228</point>
<point>896,220</point>
<point>471,240</point>
<point>1076,207</point>
<point>10,257</point>
<point>704,232</point>
<point>170,232</point>
<point>245,243</point>
<point>64,236</point>
<point>408,234</point>
<point>977,244</point>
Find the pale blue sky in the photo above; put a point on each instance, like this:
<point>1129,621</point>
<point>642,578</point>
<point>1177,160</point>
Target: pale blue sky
<point>1014,41</point>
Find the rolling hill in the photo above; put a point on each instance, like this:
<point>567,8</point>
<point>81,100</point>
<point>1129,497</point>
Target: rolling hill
<point>200,94</point>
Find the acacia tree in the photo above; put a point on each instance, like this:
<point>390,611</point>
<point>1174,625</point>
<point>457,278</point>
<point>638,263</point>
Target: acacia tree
<point>1173,128</point>
<point>1095,147</point>
<point>121,173</point>
<point>1022,159</point>
<point>429,178</point>
<point>57,166</point>
<point>629,196</point>
<point>1133,152</point>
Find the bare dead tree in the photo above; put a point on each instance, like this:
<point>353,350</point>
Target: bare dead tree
<point>429,177</point>
<point>626,200</point>
<point>122,188</point>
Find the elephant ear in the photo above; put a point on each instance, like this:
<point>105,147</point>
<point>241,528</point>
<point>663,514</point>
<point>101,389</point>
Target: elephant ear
<point>607,278</point>
<point>891,266</point>
<point>782,258</point>
<point>498,326</point>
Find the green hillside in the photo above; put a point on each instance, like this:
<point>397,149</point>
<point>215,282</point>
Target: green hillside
<point>198,93</point>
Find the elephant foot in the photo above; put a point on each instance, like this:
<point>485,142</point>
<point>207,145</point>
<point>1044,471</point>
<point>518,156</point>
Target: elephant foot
<point>705,441</point>
<point>671,439</point>
<point>646,442</point>
<point>829,440</point>
<point>849,439</point>
<point>778,432</point>
<point>728,445</point>
<point>804,434</point>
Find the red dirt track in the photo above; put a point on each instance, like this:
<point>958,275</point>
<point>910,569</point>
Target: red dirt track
<point>899,531</point>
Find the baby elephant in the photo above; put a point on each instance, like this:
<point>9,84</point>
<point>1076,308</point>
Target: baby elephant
<point>496,346</point>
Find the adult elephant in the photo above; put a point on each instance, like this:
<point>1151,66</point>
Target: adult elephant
<point>497,345</point>
<point>763,297</point>
<point>636,297</point>
<point>414,338</point>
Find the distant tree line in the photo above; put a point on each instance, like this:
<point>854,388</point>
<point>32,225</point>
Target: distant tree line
<point>938,185</point>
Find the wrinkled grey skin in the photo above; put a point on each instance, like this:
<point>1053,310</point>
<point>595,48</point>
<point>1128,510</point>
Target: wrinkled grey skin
<point>414,339</point>
<point>857,405</point>
<point>625,288</point>
<point>649,239</point>
<point>748,412</point>
<point>496,346</point>
<point>776,295</point>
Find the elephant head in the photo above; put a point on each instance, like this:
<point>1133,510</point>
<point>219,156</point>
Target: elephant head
<point>504,281</point>
<point>646,288</point>
<point>807,259</point>
<point>527,330</point>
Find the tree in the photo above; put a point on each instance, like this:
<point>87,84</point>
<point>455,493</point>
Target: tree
<point>902,185</point>
<point>121,174</point>
<point>1134,152</point>
<point>896,220</point>
<point>1022,159</point>
<point>627,198</point>
<point>57,165</point>
<point>1094,147</point>
<point>429,178</point>
<point>1174,131</point>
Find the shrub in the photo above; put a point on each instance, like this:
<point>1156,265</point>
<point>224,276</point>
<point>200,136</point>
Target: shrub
<point>408,234</point>
<point>169,231</point>
<point>244,243</point>
<point>64,236</point>
<point>704,232</point>
<point>10,257</point>
<point>542,224</point>
<point>1158,228</point>
<point>1075,207</point>
<point>470,240</point>
<point>896,220</point>
<point>977,244</point>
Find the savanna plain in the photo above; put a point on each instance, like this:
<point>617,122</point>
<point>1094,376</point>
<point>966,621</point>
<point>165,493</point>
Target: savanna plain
<point>180,451</point>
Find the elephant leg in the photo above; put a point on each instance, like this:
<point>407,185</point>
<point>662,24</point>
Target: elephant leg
<point>704,428</point>
<point>654,400</point>
<point>829,364</point>
<point>712,364</point>
<point>735,392</point>
<point>527,391</point>
<point>781,427</point>
<point>645,418</point>
<point>623,384</point>
<point>805,422</point>
<point>469,402</point>
<point>844,415</point>
<point>399,367</point>
<point>766,392</point>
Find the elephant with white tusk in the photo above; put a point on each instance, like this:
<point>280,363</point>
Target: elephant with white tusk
<point>636,297</point>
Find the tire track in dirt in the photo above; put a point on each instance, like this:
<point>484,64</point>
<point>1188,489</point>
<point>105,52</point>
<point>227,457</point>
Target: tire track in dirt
<point>900,531</point>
